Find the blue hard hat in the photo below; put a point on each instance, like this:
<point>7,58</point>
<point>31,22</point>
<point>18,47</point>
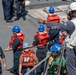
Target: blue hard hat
<point>56,48</point>
<point>51,9</point>
<point>25,45</point>
<point>41,27</point>
<point>16,29</point>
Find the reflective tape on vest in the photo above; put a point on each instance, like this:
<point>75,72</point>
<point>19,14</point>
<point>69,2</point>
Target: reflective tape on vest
<point>26,59</point>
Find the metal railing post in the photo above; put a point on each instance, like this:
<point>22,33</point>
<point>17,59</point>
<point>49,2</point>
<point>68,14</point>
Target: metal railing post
<point>61,58</point>
<point>46,63</point>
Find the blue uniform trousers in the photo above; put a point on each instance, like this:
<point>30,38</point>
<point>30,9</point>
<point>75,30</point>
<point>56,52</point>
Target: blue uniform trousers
<point>20,8</point>
<point>12,8</point>
<point>7,9</point>
<point>16,60</point>
<point>70,62</point>
<point>41,54</point>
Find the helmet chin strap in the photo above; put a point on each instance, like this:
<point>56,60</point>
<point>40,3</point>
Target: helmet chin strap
<point>40,32</point>
<point>18,34</point>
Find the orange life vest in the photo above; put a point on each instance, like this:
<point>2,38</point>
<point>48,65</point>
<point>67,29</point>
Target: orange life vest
<point>20,36</point>
<point>53,18</point>
<point>43,38</point>
<point>62,38</point>
<point>27,58</point>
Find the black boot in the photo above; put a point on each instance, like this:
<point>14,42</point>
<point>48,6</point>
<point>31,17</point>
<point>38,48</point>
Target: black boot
<point>17,17</point>
<point>9,21</point>
<point>12,70</point>
<point>24,18</point>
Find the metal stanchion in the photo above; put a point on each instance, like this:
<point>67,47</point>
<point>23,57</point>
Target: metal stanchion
<point>46,64</point>
<point>61,58</point>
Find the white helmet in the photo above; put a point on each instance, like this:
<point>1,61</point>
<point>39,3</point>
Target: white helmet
<point>72,6</point>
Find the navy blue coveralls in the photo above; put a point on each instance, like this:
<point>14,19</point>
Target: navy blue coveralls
<point>41,54</point>
<point>7,7</point>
